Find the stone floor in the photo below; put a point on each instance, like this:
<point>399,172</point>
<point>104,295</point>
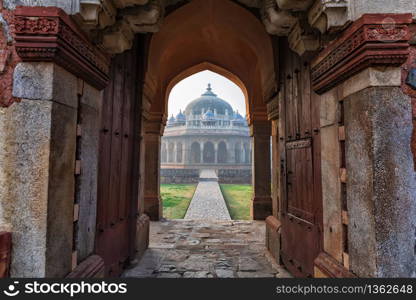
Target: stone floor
<point>206,249</point>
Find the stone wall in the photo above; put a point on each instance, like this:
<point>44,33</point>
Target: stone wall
<point>37,161</point>
<point>186,176</point>
<point>87,152</point>
<point>235,176</point>
<point>182,176</point>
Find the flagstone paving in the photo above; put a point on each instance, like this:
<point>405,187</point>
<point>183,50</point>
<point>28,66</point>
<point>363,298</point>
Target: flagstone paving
<point>207,249</point>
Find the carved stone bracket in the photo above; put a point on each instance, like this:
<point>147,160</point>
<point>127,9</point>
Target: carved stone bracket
<point>117,38</point>
<point>49,34</point>
<point>278,22</point>
<point>302,41</point>
<point>96,14</point>
<point>373,40</point>
<point>329,15</point>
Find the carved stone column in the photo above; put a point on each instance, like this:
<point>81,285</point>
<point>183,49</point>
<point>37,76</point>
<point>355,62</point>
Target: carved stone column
<point>38,142</point>
<point>262,201</point>
<point>378,178</point>
<point>152,200</point>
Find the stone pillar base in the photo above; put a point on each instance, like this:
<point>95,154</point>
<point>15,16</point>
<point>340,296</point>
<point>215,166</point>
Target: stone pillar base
<point>273,237</point>
<point>153,207</point>
<point>92,267</point>
<point>142,236</point>
<point>261,208</point>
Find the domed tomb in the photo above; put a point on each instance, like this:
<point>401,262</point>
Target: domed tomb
<point>208,102</point>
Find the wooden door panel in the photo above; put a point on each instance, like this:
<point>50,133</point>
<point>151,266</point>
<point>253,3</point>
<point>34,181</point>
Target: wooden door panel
<point>118,160</point>
<point>301,198</point>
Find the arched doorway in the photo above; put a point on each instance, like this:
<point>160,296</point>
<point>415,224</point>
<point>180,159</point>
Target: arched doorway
<point>179,153</point>
<point>222,153</point>
<point>246,57</point>
<point>237,153</point>
<point>171,152</point>
<point>195,153</point>
<point>246,153</point>
<point>164,155</point>
<point>209,153</point>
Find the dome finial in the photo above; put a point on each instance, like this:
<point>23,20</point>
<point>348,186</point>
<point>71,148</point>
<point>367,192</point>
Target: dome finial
<point>209,87</point>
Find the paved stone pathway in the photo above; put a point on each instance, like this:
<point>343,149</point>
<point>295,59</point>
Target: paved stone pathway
<point>207,249</point>
<point>208,202</point>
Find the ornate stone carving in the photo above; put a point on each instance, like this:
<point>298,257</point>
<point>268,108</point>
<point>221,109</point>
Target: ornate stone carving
<point>144,18</point>
<point>329,15</point>
<point>48,34</point>
<point>277,22</point>
<point>117,38</point>
<point>370,41</point>
<point>302,41</point>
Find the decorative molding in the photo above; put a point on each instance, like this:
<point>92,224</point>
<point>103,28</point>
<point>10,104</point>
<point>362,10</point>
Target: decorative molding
<point>373,40</point>
<point>329,15</point>
<point>330,267</point>
<point>48,34</point>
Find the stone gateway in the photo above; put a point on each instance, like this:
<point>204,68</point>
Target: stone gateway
<point>329,91</point>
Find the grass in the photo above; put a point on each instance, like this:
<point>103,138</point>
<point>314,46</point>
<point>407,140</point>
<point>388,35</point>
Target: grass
<point>176,199</point>
<point>238,199</point>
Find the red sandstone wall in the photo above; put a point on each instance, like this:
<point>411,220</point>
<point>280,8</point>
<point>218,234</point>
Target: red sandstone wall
<point>8,59</point>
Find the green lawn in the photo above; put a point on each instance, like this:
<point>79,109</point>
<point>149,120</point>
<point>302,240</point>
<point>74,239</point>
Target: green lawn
<point>238,199</point>
<point>176,199</point>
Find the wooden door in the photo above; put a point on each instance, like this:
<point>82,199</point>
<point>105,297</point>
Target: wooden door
<point>302,201</point>
<point>118,165</point>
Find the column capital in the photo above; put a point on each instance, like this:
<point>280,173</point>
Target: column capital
<point>153,128</point>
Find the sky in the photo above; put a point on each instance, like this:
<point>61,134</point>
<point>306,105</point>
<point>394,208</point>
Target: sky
<point>193,86</point>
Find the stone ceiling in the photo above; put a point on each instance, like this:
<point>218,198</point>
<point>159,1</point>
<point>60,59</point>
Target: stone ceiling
<point>112,24</point>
